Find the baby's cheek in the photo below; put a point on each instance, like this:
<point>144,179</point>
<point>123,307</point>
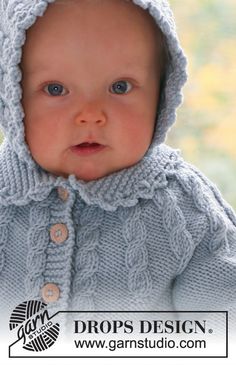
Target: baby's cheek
<point>140,134</point>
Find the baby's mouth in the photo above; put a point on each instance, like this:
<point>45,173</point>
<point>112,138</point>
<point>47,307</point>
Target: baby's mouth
<point>87,148</point>
<point>87,144</point>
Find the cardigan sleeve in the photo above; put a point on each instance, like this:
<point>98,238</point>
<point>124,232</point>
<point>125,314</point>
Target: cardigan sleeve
<point>208,281</point>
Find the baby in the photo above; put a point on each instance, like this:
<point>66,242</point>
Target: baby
<point>98,105</point>
<point>96,212</point>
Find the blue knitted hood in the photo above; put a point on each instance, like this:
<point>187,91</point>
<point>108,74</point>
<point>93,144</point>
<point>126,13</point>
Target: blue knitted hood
<point>18,15</point>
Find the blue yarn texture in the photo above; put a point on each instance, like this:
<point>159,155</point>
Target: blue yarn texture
<point>155,236</point>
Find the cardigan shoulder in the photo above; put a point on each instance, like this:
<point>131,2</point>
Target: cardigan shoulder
<point>199,208</point>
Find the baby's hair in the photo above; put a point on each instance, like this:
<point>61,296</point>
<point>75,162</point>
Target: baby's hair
<point>164,59</point>
<point>163,55</point>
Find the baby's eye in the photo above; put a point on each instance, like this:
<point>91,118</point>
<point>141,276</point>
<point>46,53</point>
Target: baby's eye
<point>55,89</point>
<point>121,87</point>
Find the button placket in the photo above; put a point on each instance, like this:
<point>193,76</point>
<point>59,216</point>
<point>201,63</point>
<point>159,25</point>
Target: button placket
<point>59,233</point>
<point>50,293</point>
<point>63,193</point>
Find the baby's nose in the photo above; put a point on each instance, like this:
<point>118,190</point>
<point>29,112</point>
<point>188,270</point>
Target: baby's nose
<point>91,115</point>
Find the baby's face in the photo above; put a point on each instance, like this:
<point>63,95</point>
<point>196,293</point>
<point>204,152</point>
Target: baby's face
<point>90,87</point>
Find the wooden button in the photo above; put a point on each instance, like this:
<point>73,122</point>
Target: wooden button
<point>50,293</point>
<point>63,193</point>
<point>59,233</point>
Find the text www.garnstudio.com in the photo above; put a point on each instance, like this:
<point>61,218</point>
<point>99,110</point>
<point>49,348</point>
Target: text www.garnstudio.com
<point>163,342</point>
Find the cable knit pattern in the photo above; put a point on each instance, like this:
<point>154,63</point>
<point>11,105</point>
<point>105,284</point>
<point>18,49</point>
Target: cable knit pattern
<point>227,208</point>
<point>161,12</point>
<point>87,259</point>
<point>203,201</point>
<point>174,224</point>
<point>37,242</point>
<point>6,217</point>
<point>136,259</point>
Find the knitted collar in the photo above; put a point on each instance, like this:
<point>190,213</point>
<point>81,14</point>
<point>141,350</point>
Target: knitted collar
<point>19,185</point>
<point>21,179</point>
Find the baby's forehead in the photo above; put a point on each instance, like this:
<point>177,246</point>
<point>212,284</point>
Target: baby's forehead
<point>134,12</point>
<point>116,33</point>
<point>121,20</point>
<point>135,16</point>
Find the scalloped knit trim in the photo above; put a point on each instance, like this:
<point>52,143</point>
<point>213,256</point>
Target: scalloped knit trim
<point>19,185</point>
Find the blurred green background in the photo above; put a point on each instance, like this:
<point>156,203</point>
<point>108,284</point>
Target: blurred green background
<point>206,129</point>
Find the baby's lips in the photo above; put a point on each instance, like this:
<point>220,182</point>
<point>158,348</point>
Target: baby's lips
<point>87,148</point>
<point>89,144</point>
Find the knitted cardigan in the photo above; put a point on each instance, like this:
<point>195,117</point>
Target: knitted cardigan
<point>155,236</point>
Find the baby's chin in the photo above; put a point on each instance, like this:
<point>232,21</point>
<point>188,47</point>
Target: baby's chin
<point>94,175</point>
<point>85,176</point>
<point>91,171</point>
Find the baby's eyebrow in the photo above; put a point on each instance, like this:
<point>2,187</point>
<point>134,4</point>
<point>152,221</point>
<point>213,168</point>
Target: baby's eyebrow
<point>129,68</point>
